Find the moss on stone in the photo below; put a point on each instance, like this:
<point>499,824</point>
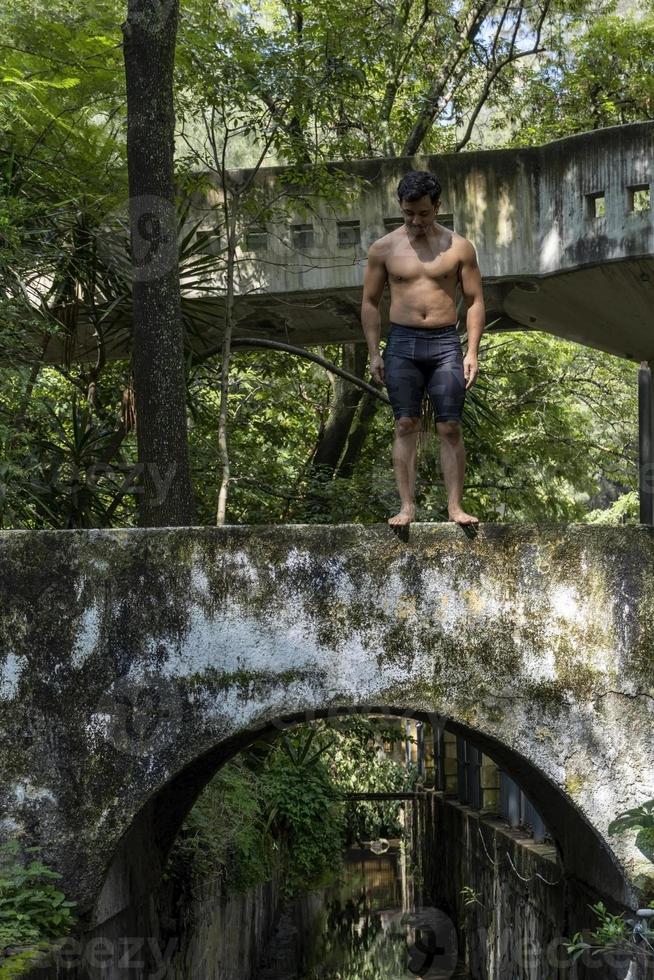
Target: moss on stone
<point>446,624</point>
<point>574,782</point>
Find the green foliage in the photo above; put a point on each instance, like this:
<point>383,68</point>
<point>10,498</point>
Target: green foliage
<point>614,935</point>
<point>381,65</point>
<point>557,438</point>
<point>271,807</point>
<point>624,510</point>
<point>304,816</point>
<point>639,818</point>
<point>32,909</point>
<point>602,76</point>
<point>54,470</point>
<point>226,833</point>
<point>360,763</point>
<point>61,98</point>
<point>568,428</point>
<point>279,806</point>
<point>18,964</point>
<point>470,897</point>
<point>565,446</point>
<point>562,442</point>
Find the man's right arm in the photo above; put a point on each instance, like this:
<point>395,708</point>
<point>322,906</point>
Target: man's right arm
<point>373,287</point>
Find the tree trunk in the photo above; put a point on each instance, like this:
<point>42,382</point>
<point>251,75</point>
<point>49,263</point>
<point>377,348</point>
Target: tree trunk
<point>223,419</point>
<point>342,410</point>
<point>357,437</point>
<point>430,103</point>
<point>165,495</point>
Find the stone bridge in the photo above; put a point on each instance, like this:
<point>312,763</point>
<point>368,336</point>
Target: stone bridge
<point>133,663</point>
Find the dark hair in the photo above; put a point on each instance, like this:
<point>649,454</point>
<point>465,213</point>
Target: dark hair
<point>416,184</point>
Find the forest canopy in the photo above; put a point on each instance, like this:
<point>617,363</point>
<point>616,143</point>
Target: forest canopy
<point>551,434</point>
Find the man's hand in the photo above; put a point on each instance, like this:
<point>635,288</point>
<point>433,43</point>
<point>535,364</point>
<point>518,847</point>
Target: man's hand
<point>470,369</point>
<point>377,368</point>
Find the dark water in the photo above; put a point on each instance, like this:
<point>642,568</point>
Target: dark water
<point>366,927</point>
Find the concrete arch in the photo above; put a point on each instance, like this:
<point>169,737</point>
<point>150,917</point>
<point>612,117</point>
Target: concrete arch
<point>140,856</point>
<point>128,656</point>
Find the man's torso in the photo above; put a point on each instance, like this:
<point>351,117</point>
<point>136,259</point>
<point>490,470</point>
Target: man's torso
<point>423,275</point>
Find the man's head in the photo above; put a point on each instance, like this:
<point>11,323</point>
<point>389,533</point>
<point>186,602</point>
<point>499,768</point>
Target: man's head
<point>419,195</point>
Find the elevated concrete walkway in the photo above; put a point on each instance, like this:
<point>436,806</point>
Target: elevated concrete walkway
<point>563,232</point>
<point>562,243</point>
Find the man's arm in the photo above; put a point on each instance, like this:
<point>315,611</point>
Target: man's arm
<point>473,295</point>
<point>374,281</point>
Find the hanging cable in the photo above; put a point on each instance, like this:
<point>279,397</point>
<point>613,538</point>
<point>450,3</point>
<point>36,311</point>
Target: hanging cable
<point>495,864</point>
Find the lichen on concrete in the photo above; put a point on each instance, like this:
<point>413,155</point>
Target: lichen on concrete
<point>128,656</point>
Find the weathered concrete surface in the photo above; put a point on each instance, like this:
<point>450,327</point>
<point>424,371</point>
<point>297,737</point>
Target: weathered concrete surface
<point>546,261</point>
<point>524,906</point>
<point>133,663</point>
<point>224,936</point>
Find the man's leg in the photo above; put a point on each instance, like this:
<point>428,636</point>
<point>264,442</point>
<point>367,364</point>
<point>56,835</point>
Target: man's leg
<point>404,466</point>
<point>453,460</point>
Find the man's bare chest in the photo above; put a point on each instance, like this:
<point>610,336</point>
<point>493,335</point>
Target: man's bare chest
<point>441,269</point>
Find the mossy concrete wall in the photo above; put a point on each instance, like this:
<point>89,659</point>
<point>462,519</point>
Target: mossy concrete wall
<point>133,663</point>
<point>512,904</point>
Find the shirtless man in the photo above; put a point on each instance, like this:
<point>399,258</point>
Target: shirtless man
<point>423,262</point>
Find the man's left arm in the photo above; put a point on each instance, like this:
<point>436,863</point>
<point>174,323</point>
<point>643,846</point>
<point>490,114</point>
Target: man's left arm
<point>473,295</point>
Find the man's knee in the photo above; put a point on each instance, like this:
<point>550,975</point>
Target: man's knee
<point>406,426</point>
<point>450,430</point>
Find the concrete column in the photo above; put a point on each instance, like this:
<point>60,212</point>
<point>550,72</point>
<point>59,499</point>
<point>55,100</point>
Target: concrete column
<point>431,757</point>
<point>490,785</point>
<point>645,447</point>
<point>450,764</point>
<point>420,749</point>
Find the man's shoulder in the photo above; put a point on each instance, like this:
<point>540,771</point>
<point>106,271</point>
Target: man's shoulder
<point>463,247</point>
<point>382,246</point>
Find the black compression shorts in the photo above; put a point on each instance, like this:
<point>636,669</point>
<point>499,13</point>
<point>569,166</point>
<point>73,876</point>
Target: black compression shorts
<point>419,359</point>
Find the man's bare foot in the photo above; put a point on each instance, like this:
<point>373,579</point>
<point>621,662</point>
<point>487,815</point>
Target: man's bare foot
<point>460,516</point>
<point>406,515</point>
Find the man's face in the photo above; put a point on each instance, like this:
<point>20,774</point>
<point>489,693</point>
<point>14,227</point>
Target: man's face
<point>419,215</point>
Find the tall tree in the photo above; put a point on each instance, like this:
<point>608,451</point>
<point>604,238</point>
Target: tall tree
<point>603,77</point>
<point>166,496</point>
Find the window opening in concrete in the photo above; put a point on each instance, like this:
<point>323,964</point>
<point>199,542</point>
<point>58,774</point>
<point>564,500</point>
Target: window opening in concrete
<point>349,233</point>
<point>639,197</point>
<point>475,779</point>
<point>209,240</point>
<point>509,800</point>
<point>256,239</point>
<point>517,810</point>
<point>447,220</point>
<point>596,205</point>
<point>302,236</point>
<point>469,764</point>
<point>445,753</point>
